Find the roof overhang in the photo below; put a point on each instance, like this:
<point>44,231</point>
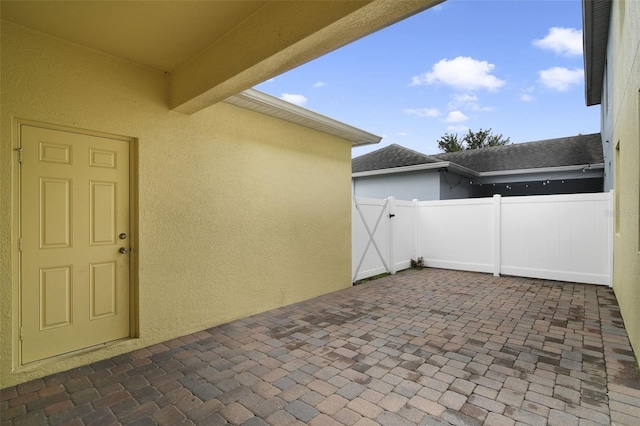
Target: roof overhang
<point>472,173</point>
<point>260,102</point>
<point>595,35</point>
<point>559,169</point>
<point>211,50</point>
<point>441,165</point>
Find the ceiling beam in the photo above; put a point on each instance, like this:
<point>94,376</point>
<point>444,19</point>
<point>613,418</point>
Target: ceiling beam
<point>278,37</point>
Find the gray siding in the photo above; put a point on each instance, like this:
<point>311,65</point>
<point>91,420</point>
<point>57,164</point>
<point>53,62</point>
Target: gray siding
<point>423,185</point>
<point>453,186</point>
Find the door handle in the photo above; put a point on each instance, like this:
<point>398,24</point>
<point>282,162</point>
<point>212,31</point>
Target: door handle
<point>123,250</point>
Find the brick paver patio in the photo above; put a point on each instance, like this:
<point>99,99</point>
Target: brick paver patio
<point>428,347</point>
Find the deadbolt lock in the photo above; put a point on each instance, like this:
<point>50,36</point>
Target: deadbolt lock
<point>122,236</point>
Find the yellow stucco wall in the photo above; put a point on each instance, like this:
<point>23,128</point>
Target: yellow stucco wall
<point>624,39</point>
<point>238,212</point>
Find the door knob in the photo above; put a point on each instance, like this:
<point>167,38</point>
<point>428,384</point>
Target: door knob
<point>123,250</point>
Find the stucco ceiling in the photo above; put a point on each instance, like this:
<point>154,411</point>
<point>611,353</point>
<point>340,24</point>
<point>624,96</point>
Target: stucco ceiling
<point>162,35</point>
<point>211,49</point>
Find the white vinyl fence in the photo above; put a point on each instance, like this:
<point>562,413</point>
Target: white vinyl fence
<point>558,237</point>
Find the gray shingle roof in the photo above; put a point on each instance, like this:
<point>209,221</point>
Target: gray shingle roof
<point>581,149</point>
<point>574,150</point>
<point>389,157</point>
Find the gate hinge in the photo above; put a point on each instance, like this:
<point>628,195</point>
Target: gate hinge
<point>19,154</point>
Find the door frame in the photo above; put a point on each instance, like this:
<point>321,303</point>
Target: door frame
<point>16,299</point>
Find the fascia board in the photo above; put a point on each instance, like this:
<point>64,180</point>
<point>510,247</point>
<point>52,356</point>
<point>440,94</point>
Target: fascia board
<point>595,22</point>
<point>462,170</point>
<point>263,103</point>
<point>471,173</point>
<point>405,169</point>
<point>542,170</point>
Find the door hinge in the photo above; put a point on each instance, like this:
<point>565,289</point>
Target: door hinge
<point>20,244</point>
<point>19,155</point>
<point>20,333</point>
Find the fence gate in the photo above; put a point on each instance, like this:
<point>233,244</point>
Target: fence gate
<point>371,237</point>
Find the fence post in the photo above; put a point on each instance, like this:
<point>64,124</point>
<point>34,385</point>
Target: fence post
<point>610,232</point>
<point>391,209</point>
<point>496,234</point>
<point>416,245</point>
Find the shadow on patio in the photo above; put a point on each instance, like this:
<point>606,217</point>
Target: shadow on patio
<point>421,347</point>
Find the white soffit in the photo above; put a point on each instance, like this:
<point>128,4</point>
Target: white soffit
<point>472,173</point>
<point>262,103</point>
<point>403,169</point>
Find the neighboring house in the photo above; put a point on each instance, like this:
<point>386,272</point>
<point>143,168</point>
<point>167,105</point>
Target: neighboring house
<point>145,193</point>
<point>396,171</point>
<point>555,166</point>
<point>612,80</point>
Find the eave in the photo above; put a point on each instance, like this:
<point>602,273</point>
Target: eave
<point>418,167</point>
<point>262,103</point>
<point>595,23</point>
<point>472,173</point>
<point>558,169</point>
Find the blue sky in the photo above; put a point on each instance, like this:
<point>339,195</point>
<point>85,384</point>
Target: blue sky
<point>515,66</point>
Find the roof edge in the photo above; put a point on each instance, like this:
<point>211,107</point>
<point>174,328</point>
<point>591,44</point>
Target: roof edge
<point>418,167</point>
<point>543,170</point>
<point>472,173</point>
<point>595,23</point>
<point>263,103</point>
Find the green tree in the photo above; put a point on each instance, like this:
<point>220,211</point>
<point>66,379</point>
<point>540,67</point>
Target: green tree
<point>450,143</point>
<point>472,140</point>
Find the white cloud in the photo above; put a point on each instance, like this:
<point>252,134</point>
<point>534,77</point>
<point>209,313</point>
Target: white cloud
<point>423,112</point>
<point>466,101</point>
<point>462,73</point>
<point>526,94</point>
<point>402,134</point>
<point>319,84</point>
<point>299,100</point>
<point>456,117</point>
<point>457,129</point>
<point>562,41</point>
<point>462,99</point>
<point>560,78</point>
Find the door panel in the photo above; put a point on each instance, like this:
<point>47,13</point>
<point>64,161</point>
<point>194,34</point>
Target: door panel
<point>74,204</point>
<point>55,297</point>
<point>102,199</point>
<point>104,290</point>
<point>55,213</point>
